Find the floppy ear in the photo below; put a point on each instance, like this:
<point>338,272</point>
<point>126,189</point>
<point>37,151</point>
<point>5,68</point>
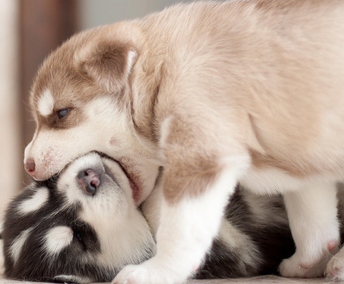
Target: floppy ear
<point>108,63</point>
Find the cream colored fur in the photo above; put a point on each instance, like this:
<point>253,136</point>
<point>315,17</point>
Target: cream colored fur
<point>215,93</point>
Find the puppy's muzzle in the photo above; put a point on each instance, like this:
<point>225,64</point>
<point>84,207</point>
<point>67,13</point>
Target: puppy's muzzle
<point>89,181</point>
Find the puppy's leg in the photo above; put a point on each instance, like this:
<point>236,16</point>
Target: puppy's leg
<point>187,228</point>
<point>312,214</point>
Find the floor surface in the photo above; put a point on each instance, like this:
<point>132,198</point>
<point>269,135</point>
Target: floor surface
<point>259,280</point>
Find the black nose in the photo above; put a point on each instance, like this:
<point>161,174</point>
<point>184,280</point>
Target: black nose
<point>89,181</point>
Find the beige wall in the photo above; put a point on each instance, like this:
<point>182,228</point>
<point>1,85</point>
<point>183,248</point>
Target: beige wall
<point>10,151</point>
<point>97,12</point>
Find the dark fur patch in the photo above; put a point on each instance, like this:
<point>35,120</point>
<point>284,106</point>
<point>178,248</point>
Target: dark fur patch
<point>34,262</point>
<point>272,239</point>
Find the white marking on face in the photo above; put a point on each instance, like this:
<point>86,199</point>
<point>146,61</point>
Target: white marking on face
<point>58,238</point>
<point>17,245</point>
<point>46,103</point>
<point>36,202</point>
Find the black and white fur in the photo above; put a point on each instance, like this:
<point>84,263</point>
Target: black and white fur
<point>83,226</point>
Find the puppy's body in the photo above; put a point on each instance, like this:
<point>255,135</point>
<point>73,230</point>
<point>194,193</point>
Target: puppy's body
<point>246,91</point>
<point>49,236</point>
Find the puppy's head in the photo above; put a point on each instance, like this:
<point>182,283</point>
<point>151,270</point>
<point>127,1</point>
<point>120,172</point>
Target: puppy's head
<point>81,226</point>
<point>82,101</point>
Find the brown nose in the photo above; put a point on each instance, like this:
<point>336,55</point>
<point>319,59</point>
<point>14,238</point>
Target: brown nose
<point>30,165</point>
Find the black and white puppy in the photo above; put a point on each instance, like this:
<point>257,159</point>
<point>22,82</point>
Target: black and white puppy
<point>83,226</point>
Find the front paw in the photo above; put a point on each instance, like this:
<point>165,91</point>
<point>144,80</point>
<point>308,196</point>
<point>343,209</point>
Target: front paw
<point>147,272</point>
<point>132,274</point>
<point>295,266</point>
<point>335,267</point>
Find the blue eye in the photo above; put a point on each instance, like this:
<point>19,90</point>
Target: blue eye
<point>62,113</point>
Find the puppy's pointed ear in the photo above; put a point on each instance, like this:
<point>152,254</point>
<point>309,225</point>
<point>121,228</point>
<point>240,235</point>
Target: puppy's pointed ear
<point>108,63</point>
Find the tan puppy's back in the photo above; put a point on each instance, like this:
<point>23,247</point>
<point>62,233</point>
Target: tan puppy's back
<point>275,68</point>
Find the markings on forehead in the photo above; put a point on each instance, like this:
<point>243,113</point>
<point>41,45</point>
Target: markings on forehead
<point>46,103</point>
<point>57,239</point>
<point>17,244</point>
<point>37,201</point>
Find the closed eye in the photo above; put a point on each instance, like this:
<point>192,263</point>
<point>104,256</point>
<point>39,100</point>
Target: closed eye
<point>78,236</point>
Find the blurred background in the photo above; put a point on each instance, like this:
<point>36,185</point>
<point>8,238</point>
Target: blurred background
<point>29,31</point>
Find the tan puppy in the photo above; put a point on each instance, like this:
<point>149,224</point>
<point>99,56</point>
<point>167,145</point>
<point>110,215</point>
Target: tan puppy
<point>249,91</point>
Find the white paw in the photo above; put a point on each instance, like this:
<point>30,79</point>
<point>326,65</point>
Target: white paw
<point>295,266</point>
<point>335,267</point>
<point>148,272</point>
